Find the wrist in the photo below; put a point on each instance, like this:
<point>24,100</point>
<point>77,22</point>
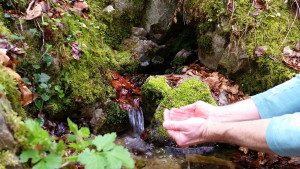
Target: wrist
<point>214,131</point>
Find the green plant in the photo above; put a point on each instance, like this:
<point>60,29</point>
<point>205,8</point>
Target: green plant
<point>48,152</point>
<point>43,150</point>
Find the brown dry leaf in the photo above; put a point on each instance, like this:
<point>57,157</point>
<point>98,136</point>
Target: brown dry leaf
<point>33,12</point>
<point>234,89</point>
<point>76,51</point>
<point>260,51</point>
<point>287,51</point>
<point>230,6</point>
<point>79,5</point>
<point>27,96</point>
<point>4,59</point>
<point>259,4</point>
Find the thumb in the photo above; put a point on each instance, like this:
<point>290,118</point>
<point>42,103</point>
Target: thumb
<point>173,125</point>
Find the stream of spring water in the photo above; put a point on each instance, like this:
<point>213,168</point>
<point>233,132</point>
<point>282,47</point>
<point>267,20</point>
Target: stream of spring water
<point>187,158</point>
<point>136,119</point>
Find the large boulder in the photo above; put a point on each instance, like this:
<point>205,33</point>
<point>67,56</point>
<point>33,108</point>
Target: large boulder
<point>159,15</point>
<point>160,92</point>
<point>11,133</point>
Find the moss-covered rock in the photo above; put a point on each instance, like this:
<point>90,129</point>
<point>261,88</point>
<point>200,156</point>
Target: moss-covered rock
<point>9,86</point>
<point>158,95</point>
<point>264,74</point>
<point>242,30</point>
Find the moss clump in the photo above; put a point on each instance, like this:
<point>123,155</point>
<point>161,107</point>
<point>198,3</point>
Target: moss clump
<point>8,159</point>
<point>116,119</point>
<point>266,73</point>
<point>160,96</point>
<point>14,121</point>
<point>10,88</point>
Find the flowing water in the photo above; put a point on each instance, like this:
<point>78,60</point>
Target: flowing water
<point>136,119</point>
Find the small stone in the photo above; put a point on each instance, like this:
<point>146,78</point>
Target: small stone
<point>109,9</point>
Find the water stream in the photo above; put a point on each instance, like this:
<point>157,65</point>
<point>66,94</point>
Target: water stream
<point>136,119</point>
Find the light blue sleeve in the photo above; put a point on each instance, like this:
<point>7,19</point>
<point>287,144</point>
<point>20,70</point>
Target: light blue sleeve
<point>283,135</point>
<point>279,100</point>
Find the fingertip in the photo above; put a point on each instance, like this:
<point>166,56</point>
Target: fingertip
<point>166,114</point>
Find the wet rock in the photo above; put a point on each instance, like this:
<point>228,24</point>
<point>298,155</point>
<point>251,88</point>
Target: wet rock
<point>136,144</point>
<point>212,58</point>
<point>140,32</point>
<point>215,51</point>
<point>182,57</point>
<point>108,117</point>
<point>143,50</point>
<point>123,5</point>
<point>159,15</point>
<point>7,141</point>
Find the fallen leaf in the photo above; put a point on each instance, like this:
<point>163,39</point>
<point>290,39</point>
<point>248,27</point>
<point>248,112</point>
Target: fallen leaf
<point>34,10</point>
<point>260,51</point>
<point>79,5</point>
<point>27,96</point>
<point>4,59</point>
<point>259,4</point>
<point>76,51</point>
<point>230,6</point>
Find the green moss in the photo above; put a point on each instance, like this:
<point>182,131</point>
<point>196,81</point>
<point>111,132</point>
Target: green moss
<point>266,73</point>
<point>11,90</point>
<point>116,119</point>
<point>205,42</point>
<point>274,27</point>
<point>119,23</point>
<point>14,121</point>
<point>165,97</point>
<point>8,159</point>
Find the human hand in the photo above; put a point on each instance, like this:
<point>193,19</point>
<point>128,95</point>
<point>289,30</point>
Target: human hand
<point>197,109</point>
<point>186,132</point>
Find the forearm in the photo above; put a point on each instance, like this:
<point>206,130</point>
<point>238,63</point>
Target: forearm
<point>241,111</point>
<point>251,134</point>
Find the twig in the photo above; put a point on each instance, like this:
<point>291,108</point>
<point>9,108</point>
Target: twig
<point>43,35</point>
<point>290,28</point>
<point>30,5</point>
<point>298,6</point>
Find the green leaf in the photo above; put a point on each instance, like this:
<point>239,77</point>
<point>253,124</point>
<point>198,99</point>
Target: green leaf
<point>36,66</point>
<point>113,162</point>
<point>44,78</point>
<point>121,154</point>
<point>92,160</point>
<point>60,147</point>
<point>39,104</point>
<point>57,88</point>
<point>48,59</point>
<point>80,146</point>
<point>71,137</point>
<point>105,142</point>
<point>45,97</point>
<point>53,161</point>
<point>43,86</point>
<point>2,87</point>
<point>84,132</point>
<point>29,154</point>
<point>73,127</point>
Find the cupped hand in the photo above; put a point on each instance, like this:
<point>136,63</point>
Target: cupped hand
<point>198,109</point>
<point>186,132</point>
